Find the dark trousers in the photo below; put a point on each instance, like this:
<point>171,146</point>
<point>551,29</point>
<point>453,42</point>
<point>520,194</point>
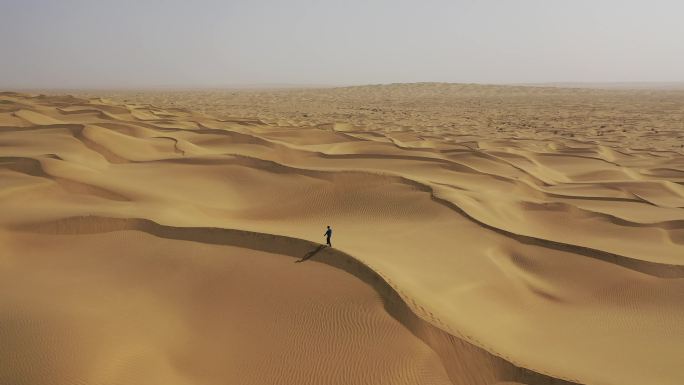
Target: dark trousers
<point>327,239</point>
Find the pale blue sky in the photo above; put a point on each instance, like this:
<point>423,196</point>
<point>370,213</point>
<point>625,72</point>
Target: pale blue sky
<point>211,43</point>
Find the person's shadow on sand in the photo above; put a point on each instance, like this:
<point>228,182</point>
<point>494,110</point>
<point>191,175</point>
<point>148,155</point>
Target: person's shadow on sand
<point>311,253</point>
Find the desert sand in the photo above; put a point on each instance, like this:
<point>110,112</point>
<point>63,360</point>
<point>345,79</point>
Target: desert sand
<point>482,235</point>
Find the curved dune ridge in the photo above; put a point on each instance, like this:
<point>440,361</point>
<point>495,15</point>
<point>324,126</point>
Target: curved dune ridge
<point>560,256</point>
<point>322,326</point>
<point>161,309</point>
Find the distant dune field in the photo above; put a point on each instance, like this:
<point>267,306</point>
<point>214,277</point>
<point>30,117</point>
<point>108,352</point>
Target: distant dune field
<point>482,235</point>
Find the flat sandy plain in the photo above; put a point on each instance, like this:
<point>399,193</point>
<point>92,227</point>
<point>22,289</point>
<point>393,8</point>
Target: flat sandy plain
<point>482,235</point>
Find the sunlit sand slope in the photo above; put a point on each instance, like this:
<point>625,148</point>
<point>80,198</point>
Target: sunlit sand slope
<point>560,256</point>
<point>130,308</point>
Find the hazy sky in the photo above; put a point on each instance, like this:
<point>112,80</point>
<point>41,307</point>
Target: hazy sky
<point>212,43</point>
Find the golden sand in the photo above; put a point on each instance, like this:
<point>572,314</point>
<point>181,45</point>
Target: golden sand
<point>482,235</point>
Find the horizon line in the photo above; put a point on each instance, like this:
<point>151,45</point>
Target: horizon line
<point>266,86</point>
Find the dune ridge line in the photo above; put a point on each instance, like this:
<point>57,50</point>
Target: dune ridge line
<point>451,349</point>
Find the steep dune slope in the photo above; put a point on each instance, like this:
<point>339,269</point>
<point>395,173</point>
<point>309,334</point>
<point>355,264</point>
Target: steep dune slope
<point>128,307</point>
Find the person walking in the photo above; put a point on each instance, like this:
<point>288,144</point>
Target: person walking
<point>327,235</point>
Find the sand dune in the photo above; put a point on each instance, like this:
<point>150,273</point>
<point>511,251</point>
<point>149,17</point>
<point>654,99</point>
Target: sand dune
<point>160,310</point>
<point>462,255</point>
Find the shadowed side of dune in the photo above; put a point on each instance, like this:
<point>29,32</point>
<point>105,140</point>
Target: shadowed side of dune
<point>655,269</point>
<point>465,363</point>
